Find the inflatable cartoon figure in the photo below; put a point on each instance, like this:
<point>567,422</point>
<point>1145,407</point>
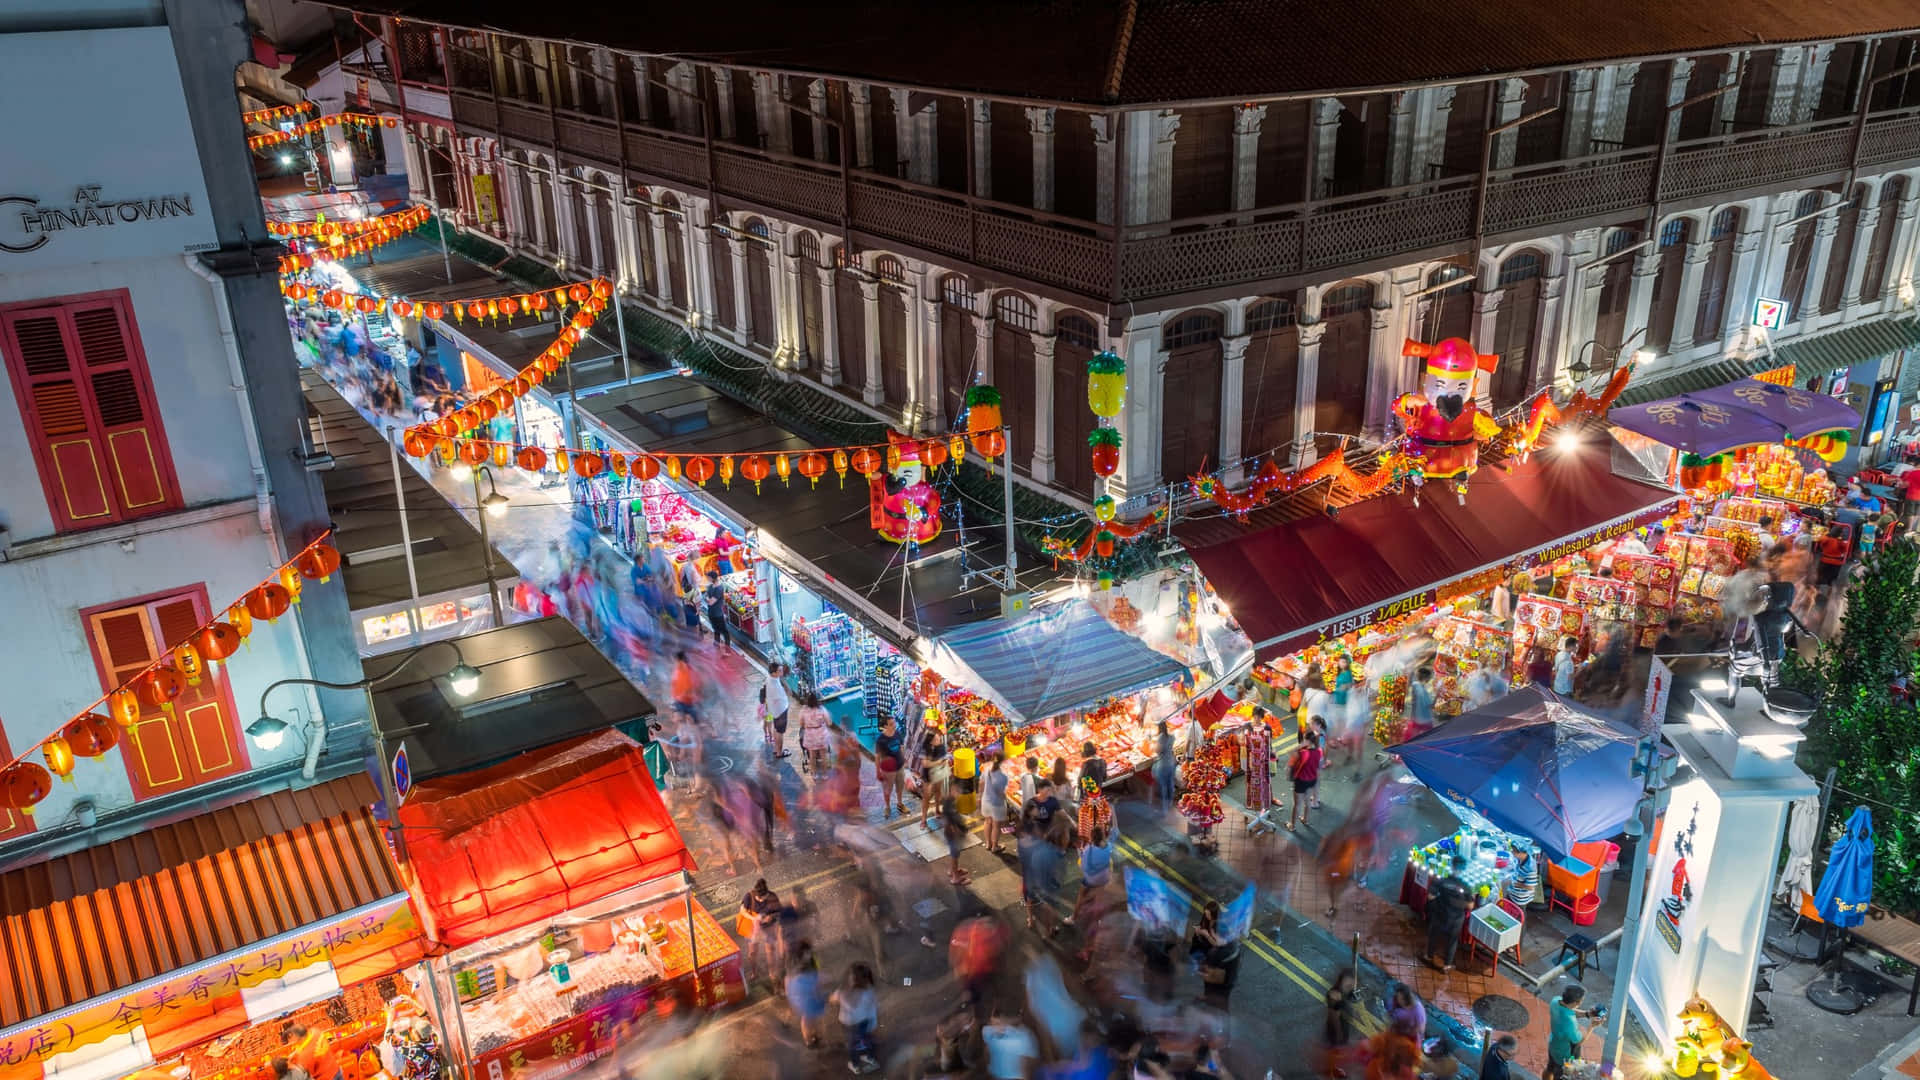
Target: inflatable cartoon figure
<point>904,507</point>
<point>1444,419</point>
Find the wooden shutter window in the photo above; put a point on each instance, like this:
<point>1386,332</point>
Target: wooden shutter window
<point>86,395</point>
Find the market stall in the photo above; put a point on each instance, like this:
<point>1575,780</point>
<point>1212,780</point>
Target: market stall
<point>1749,438</point>
<point>559,883</point>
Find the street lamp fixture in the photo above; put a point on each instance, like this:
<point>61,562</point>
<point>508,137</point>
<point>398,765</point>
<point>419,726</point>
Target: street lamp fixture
<point>493,504</point>
<point>464,678</point>
<point>268,732</point>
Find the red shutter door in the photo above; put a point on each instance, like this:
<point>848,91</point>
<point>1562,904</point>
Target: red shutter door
<point>123,646</point>
<point>123,399</point>
<point>204,714</point>
<point>67,445</point>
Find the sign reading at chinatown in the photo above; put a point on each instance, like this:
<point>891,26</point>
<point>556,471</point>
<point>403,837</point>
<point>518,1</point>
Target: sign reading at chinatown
<point>34,223</point>
<point>349,944</point>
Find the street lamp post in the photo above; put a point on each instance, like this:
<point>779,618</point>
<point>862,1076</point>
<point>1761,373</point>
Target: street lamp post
<point>268,731</point>
<point>1654,790</point>
<point>491,505</point>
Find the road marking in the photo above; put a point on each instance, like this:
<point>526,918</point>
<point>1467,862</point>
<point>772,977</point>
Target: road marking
<point>1261,945</point>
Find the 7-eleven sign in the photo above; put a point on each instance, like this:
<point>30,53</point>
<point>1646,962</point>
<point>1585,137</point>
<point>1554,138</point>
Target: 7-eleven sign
<point>1769,314</point>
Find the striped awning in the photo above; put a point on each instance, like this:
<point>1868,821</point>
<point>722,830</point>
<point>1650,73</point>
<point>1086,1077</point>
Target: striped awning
<point>1815,355</point>
<point>88,925</point>
<point>1051,660</point>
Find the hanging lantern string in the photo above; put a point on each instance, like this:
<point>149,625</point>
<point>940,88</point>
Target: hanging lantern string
<point>276,113</point>
<point>162,659</point>
<point>398,222</point>
<point>298,131</point>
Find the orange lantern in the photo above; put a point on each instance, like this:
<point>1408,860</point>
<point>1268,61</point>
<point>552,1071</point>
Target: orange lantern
<point>415,443</point>
<point>402,308</point>
<point>91,736</point>
<point>333,298</point>
<point>473,452</point>
<point>318,562</point>
<point>486,409</point>
<point>933,454</point>
<point>241,618</point>
<point>783,467</point>
<point>531,458</point>
<point>957,449</point>
<point>840,466</point>
<point>366,304</point>
<point>290,581</point>
<point>23,784</point>
<point>186,657</point>
<point>726,469</point>
<point>602,288</point>
<point>618,463</point>
<point>59,757</point>
<point>124,706</point>
<point>538,301</point>
<point>755,469</point>
<point>560,462</point>
<point>673,468</point>
<point>813,467</point>
<point>579,293</point>
<point>865,461</point>
<point>509,306</point>
<point>158,687</point>
<point>477,309</point>
<point>588,465</point>
<point>269,601</point>
<point>700,469</point>
<point>990,444</point>
<point>435,309</point>
<point>217,641</point>
<point>646,466</point>
<point>502,453</point>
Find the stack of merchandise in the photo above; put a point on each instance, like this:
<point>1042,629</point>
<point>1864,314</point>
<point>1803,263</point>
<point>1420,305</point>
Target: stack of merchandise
<point>1704,563</point>
<point>824,658</point>
<point>1656,583</point>
<point>1464,643</point>
<point>1543,622</point>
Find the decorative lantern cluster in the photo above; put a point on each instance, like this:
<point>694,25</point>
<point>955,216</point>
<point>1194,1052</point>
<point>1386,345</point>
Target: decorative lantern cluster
<point>274,114</point>
<point>332,238</point>
<point>984,421</point>
<point>24,782</point>
<point>301,131</point>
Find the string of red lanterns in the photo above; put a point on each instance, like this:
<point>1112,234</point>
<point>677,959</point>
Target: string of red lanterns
<point>300,131</point>
<point>91,733</point>
<point>273,114</point>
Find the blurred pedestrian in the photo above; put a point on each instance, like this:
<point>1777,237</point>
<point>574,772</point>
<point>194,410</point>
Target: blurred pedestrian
<point>1337,1029</point>
<point>993,799</point>
<point>934,771</point>
<point>1497,1064</point>
<point>716,598</point>
<point>1096,872</point>
<point>762,910</point>
<point>804,994</point>
<point>685,686</point>
<point>1163,767</point>
<point>859,1014</point>
<point>774,706</point>
<point>887,762</point>
<point>1303,768</point>
<point>1405,1013</point>
<point>813,722</point>
<point>953,828</point>
<point>1012,1051</point>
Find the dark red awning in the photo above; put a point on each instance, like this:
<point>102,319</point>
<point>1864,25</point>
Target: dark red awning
<point>549,830</point>
<point>1292,584</point>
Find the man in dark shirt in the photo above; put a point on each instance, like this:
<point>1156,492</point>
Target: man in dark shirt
<point>1497,1064</point>
<point>1448,901</point>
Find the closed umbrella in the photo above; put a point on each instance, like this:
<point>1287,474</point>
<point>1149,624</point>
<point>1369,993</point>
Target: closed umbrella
<point>1797,876</point>
<point>1847,887</point>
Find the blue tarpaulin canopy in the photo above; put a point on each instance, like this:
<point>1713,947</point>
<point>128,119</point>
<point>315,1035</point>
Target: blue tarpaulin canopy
<point>1051,660</point>
<point>1533,763</point>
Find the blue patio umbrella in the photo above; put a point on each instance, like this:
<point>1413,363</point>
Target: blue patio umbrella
<point>1847,887</point>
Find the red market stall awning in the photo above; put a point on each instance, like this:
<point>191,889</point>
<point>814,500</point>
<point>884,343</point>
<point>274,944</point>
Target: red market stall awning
<point>525,840</point>
<point>1293,584</point>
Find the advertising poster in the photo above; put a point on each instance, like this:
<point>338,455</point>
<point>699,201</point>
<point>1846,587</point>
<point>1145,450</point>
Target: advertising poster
<point>1237,918</point>
<point>1157,905</point>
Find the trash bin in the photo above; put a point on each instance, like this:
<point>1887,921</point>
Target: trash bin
<point>1608,866</point>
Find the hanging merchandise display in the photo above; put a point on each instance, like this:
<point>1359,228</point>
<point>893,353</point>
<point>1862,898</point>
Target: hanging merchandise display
<point>825,660</point>
<point>89,734</point>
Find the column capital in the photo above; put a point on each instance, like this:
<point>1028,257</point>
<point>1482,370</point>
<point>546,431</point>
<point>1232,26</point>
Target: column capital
<point>980,110</point>
<point>1166,124</point>
<point>1234,349</point>
<point>1869,217</point>
<point>1043,345</point>
<point>1102,125</point>
<point>737,244</point>
<point>1380,318</point>
<point>1442,98</point>
<point>1040,119</point>
<point>982,324</point>
<point>1748,240</point>
<point>1311,333</point>
<point>860,93</point>
<point>1488,300</point>
<point>1826,225</point>
<point>825,274</point>
<point>1699,251</point>
<point>1581,80</point>
<point>870,290</point>
<point>1247,119</point>
<point>1677,78</point>
<point>1513,89</point>
<point>1326,111</point>
<point>1646,264</point>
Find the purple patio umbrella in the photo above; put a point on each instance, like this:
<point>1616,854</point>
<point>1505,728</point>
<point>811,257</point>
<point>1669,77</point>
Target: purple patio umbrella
<point>1698,427</point>
<point>1801,412</point>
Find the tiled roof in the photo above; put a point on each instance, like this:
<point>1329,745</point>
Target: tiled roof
<point>1145,51</point>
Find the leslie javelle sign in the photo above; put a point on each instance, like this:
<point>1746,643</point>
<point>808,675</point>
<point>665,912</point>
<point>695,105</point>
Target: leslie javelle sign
<point>114,172</point>
<point>27,224</point>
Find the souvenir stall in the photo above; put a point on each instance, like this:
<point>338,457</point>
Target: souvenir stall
<point>559,886</point>
<point>1058,673</point>
<point>1751,438</point>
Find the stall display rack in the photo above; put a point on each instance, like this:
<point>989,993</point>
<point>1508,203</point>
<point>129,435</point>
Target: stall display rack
<point>826,660</point>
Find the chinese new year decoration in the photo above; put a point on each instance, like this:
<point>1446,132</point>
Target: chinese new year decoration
<point>1444,423</point>
<point>274,114</point>
<point>903,506</point>
<point>302,130</point>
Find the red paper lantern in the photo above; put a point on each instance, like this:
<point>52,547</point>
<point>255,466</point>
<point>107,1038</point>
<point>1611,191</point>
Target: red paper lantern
<point>318,562</point>
<point>435,309</point>
<point>578,293</point>
<point>157,687</point>
<point>602,288</point>
<point>756,469</point>
<point>416,443</point>
<point>269,601</point>
<point>186,657</point>
<point>538,301</point>
<point>813,467</point>
<point>477,309</point>
<point>699,469</point>
<point>333,298</point>
<point>59,756</point>
<point>23,785</point>
<point>124,706</point>
<point>473,452</point>
<point>865,461</point>
<point>91,736</point>
<point>509,306</point>
<point>588,465</point>
<point>217,641</point>
<point>241,618</point>
<point>646,466</point>
<point>367,304</point>
<point>531,458</point>
<point>933,454</point>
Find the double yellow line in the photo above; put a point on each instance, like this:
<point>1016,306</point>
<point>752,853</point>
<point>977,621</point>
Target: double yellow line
<point>1275,954</point>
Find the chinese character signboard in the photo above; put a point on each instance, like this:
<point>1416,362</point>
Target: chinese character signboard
<point>486,209</point>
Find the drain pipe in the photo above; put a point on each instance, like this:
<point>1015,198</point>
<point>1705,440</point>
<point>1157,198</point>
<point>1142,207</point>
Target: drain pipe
<point>1560,969</point>
<point>250,432</point>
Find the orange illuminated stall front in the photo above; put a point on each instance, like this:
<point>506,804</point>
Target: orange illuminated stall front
<point>558,884</point>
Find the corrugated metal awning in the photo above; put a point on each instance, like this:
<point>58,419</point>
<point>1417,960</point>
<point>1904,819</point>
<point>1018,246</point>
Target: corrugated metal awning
<point>1809,356</point>
<point>88,924</point>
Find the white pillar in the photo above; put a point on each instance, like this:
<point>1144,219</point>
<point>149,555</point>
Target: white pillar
<point>1040,123</point>
<point>1646,267</point>
<point>926,142</point>
<point>874,392</point>
<point>1438,106</point>
<point>1900,263</point>
<point>699,258</point>
<point>1233,391</point>
<point>1740,292</point>
<point>539,196</point>
<point>1589,283</point>
<point>1818,264</point>
<point>1813,80</point>
<point>1513,95</point>
<point>685,104</point>
<point>1549,347</point>
<point>792,352</point>
<point>1727,105</point>
<point>923,363</point>
<point>860,104</point>
<point>742,302</point>
<point>563,204</point>
<point>1103,132</point>
<point>829,328</point>
<point>662,261</point>
<point>1578,112</point>
<point>723,104</point>
<point>980,112</point>
<point>1677,77</point>
<point>817,107</point>
<point>906,151</point>
<point>1043,358</point>
<point>1862,247</point>
<point>1306,390</point>
<point>1623,78</point>
<point>770,110</point>
<point>1139,472</point>
<point>983,347</point>
<point>1403,136</point>
<point>1486,316</point>
<point>416,168</point>
<point>1326,134</point>
<point>1149,165</point>
<point>1383,361</point>
<point>642,94</point>
<point>1246,154</point>
<point>1693,274</point>
<point>622,258</point>
<point>596,245</point>
<point>510,202</point>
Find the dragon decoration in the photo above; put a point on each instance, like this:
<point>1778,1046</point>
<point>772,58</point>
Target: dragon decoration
<point>1445,430</point>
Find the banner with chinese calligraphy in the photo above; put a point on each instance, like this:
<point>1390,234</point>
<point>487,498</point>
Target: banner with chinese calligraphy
<point>593,1034</point>
<point>367,943</point>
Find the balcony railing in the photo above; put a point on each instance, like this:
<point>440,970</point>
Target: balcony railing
<point>1167,258</point>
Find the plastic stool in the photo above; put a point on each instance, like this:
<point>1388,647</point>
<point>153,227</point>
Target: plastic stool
<point>1581,946</point>
<point>1586,910</point>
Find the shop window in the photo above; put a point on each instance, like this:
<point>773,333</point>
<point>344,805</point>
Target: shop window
<point>199,738</point>
<point>1078,330</point>
<point>1270,315</point>
<point>1014,311</point>
<point>86,400</point>
<point>1196,329</point>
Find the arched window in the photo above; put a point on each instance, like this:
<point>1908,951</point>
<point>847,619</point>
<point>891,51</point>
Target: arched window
<point>758,228</point>
<point>1270,315</point>
<point>955,290</point>
<point>1346,300</point>
<point>842,258</point>
<point>807,246</point>
<point>1666,282</point>
<point>1793,282</point>
<point>1721,233</point>
<point>1195,329</point>
<point>1514,322</point>
<point>1449,311</point>
<point>1345,357</point>
<point>1078,330</point>
<point>888,268</point>
<point>1015,311</point>
<point>1522,267</point>
<point>1620,240</point>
